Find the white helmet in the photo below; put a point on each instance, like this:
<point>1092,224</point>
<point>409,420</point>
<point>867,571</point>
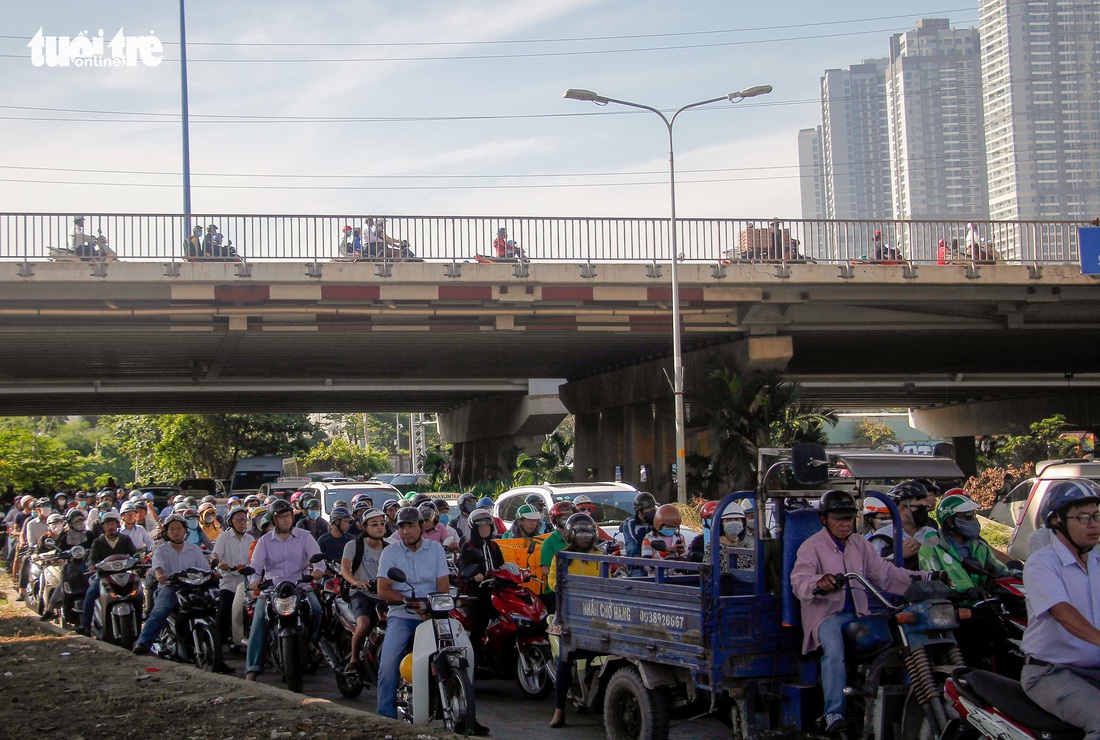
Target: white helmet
<point>733,510</point>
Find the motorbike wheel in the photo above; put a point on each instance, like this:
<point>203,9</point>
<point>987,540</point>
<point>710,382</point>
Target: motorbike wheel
<point>292,666</point>
<point>914,722</point>
<point>533,667</point>
<point>458,694</point>
<point>126,636</point>
<point>208,654</point>
<point>633,712</point>
<point>349,684</point>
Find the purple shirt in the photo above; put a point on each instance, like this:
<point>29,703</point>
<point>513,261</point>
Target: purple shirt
<point>819,555</point>
<point>1053,576</point>
<point>283,560</point>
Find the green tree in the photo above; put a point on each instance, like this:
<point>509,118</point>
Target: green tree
<point>1046,440</point>
<point>875,435</point>
<point>339,454</point>
<point>27,459</point>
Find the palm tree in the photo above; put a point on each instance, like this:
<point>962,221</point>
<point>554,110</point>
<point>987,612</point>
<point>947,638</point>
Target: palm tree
<point>745,412</point>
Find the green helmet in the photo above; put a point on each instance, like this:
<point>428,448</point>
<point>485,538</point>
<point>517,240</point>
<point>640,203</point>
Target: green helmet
<point>954,504</point>
<point>527,511</point>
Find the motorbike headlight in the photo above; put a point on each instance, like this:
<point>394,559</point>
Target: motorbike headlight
<point>441,603</point>
<point>78,553</point>
<point>284,606</point>
<point>193,578</point>
<point>942,616</point>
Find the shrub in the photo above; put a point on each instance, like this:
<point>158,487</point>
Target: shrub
<point>993,482</point>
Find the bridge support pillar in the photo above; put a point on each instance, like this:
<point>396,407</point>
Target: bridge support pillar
<point>586,436</point>
<point>485,432</point>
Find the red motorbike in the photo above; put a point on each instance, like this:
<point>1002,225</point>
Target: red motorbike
<point>515,642</point>
<point>996,707</point>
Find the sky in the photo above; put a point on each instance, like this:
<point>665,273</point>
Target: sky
<point>429,108</point>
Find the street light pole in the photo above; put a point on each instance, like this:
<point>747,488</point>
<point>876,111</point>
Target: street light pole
<point>677,343</point>
<point>186,135</point>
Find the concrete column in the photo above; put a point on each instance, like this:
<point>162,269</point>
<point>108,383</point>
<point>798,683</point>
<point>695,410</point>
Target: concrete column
<point>639,448</point>
<point>586,439</point>
<point>664,450</point>
<point>611,443</point>
<point>966,454</point>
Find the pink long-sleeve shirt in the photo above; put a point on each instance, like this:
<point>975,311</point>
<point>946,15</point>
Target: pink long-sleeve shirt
<point>819,555</point>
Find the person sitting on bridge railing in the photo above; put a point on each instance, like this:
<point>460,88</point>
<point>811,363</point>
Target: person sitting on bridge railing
<point>881,251</point>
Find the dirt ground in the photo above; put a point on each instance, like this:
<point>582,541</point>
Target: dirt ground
<point>55,685</point>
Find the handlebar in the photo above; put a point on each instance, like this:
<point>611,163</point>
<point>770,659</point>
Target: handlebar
<point>843,579</point>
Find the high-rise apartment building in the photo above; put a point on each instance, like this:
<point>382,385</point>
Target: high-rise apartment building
<point>811,172</point>
<point>934,114</point>
<point>855,142</point>
<point>1040,63</point>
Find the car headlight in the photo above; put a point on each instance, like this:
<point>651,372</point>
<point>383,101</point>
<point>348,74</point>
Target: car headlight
<point>942,616</point>
<point>441,603</point>
<point>285,605</point>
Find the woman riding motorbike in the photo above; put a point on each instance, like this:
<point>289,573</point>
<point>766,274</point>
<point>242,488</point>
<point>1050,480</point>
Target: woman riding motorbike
<point>479,556</point>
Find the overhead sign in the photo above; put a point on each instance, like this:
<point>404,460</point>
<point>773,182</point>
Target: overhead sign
<point>1089,239</point>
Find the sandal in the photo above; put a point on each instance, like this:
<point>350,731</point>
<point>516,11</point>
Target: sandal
<point>351,667</point>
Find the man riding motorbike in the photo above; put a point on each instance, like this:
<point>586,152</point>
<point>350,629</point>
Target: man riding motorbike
<point>913,500</point>
<point>551,546</point>
<point>467,504</point>
<point>112,542</point>
<point>29,536</point>
<point>232,551</point>
<point>359,567</point>
<point>311,520</point>
<point>634,529</point>
<point>1062,581</point>
<point>280,555</point>
<point>138,534</point>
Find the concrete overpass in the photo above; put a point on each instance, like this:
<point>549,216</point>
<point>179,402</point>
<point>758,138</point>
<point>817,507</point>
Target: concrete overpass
<point>967,345</point>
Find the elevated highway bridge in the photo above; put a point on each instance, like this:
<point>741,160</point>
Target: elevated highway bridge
<point>498,347</point>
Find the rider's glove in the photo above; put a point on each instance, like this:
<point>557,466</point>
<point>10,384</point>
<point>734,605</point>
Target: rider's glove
<point>939,575</point>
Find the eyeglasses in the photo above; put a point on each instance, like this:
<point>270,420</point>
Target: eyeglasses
<point>969,516</point>
<point>1084,519</point>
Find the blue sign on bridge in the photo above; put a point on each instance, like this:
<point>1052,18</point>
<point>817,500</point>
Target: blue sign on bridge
<point>1090,250</point>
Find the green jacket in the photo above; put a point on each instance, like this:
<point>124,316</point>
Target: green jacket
<point>944,556</point>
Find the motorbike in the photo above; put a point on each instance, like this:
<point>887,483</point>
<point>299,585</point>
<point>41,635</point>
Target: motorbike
<point>897,660</point>
<point>996,707</point>
<point>996,630</point>
<point>515,643</point>
<point>337,629</point>
<point>74,585</point>
<point>92,250</point>
<point>53,569</point>
<point>441,654</point>
<point>290,620</point>
<point>190,635</point>
<point>117,615</point>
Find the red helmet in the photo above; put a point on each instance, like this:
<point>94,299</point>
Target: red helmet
<point>706,511</point>
<point>347,229</point>
<point>295,496</point>
<point>562,509</point>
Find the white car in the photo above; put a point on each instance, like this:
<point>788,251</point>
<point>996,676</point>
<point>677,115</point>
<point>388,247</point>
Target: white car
<point>1030,512</point>
<point>330,493</point>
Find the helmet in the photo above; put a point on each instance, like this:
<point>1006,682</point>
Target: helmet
<point>172,518</point>
<point>78,219</point>
<point>502,231</point>
<point>408,514</point>
<point>208,499</point>
<point>192,503</point>
<point>428,512</point>
<point>265,523</point>
<point>954,504</point>
<point>148,496</point>
<point>232,500</point>
<point>233,511</point>
<point>190,513</point>
<point>54,518</point>
<point>279,507</point>
<point>644,501</point>
<point>536,500</point>
<point>582,499</point>
<point>391,503</point>
<point>74,514</point>
<point>954,491</point>
<point>467,502</point>
<point>480,516</point>
<point>579,524</point>
<point>406,669</point>
<point>929,485</point>
<point>910,489</point>
<point>112,514</point>
<point>295,496</point>
<point>256,511</point>
<point>667,515</point>
<point>269,500</point>
<point>838,502</point>
<point>42,502</point>
<point>347,228</point>
<point>372,514</point>
<point>338,514</point>
<point>251,500</point>
<point>733,510</point>
<point>706,511</point>
<point>943,243</point>
<point>207,505</point>
<point>361,497</point>
<point>420,498</point>
<point>308,502</point>
<point>484,501</point>
<point>360,506</point>
<point>874,507</point>
<point>179,507</point>
<point>1065,493</point>
<point>528,512</point>
<point>127,508</point>
<point>562,511</point>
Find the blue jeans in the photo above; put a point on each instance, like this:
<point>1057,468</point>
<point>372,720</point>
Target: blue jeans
<point>834,674</point>
<point>257,638</point>
<point>89,602</point>
<point>399,633</point>
<point>163,606</point>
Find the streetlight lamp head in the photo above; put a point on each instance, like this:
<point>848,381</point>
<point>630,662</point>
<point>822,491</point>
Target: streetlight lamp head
<point>587,95</point>
<point>749,92</point>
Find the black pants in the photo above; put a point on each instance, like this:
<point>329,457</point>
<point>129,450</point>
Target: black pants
<point>564,680</point>
<point>225,614</point>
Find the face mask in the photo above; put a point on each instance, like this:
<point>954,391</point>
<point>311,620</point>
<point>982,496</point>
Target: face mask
<point>970,529</point>
<point>208,517</point>
<point>61,503</point>
<point>444,518</point>
<point>46,511</point>
<point>192,523</point>
<point>668,531</point>
<point>56,527</point>
<point>647,516</point>
<point>77,525</point>
<point>733,530</point>
<point>82,504</point>
<point>314,514</point>
<point>920,516</point>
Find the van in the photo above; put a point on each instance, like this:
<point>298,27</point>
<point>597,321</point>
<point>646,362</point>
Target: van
<point>1030,517</point>
<point>252,472</point>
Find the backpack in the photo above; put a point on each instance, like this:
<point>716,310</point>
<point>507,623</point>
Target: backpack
<point>358,559</point>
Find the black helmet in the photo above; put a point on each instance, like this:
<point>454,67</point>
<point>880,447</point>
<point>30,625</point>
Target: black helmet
<point>420,498</point>
<point>579,524</point>
<point>838,502</point>
<point>428,511</point>
<point>644,500</point>
<point>408,514</point>
<point>908,490</point>
<point>480,516</point>
<point>279,506</point>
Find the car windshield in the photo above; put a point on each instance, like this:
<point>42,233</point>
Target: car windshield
<point>251,480</point>
<point>611,506</point>
<point>345,493</point>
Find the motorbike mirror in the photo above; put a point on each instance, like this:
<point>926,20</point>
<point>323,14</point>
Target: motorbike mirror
<point>50,543</point>
<point>973,566</point>
<point>531,548</point>
<point>247,570</point>
<point>396,575</point>
<point>317,558</point>
<point>659,546</point>
<point>470,570</point>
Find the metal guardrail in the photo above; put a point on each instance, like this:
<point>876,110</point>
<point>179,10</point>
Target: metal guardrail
<point>38,236</point>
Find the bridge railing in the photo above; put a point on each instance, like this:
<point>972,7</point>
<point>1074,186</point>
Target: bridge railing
<point>161,237</point>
